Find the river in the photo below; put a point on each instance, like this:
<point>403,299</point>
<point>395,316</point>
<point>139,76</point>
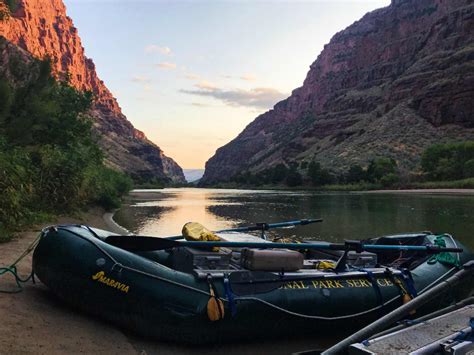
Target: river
<point>345,215</point>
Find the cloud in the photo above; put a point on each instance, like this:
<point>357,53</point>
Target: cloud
<point>192,76</point>
<point>141,79</point>
<point>166,65</point>
<point>198,104</point>
<point>153,48</point>
<point>248,77</point>
<point>206,85</point>
<point>261,98</point>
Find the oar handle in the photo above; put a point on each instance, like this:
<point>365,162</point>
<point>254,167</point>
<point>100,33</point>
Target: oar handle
<point>430,249</point>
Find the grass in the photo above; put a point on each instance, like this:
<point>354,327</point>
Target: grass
<point>361,186</point>
<point>8,234</point>
<point>455,184</point>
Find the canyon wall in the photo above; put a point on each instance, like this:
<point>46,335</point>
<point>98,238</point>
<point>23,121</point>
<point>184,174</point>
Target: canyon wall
<point>391,84</point>
<point>42,28</point>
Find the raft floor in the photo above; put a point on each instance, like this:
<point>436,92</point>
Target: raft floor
<point>418,336</point>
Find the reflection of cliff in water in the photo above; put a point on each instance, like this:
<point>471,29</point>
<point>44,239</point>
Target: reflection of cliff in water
<point>346,215</point>
<point>354,216</point>
<point>171,209</point>
<point>137,218</point>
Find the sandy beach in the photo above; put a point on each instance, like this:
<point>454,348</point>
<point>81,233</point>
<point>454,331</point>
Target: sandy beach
<point>35,322</point>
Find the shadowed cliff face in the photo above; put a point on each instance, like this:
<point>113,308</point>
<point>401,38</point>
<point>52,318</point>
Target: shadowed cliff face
<point>391,84</point>
<point>42,28</point>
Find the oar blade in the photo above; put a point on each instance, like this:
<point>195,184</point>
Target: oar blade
<point>140,243</point>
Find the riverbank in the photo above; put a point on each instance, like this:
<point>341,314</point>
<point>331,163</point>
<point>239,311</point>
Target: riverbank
<point>423,191</point>
<point>36,322</point>
<point>464,184</point>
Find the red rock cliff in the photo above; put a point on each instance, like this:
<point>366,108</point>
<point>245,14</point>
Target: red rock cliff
<point>391,84</point>
<point>43,29</point>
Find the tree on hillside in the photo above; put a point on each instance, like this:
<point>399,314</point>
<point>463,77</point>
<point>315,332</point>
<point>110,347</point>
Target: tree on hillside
<point>280,172</point>
<point>380,167</point>
<point>356,174</point>
<point>318,175</point>
<point>449,161</point>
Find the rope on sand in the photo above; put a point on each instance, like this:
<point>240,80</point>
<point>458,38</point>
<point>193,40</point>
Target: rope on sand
<point>12,269</point>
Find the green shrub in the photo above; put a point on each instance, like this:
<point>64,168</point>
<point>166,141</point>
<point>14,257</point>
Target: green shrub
<point>318,175</point>
<point>105,187</point>
<point>49,160</point>
<point>468,170</point>
<point>16,187</point>
<point>279,173</point>
<point>389,180</point>
<point>294,178</point>
<point>356,174</point>
<point>380,167</point>
<point>448,161</point>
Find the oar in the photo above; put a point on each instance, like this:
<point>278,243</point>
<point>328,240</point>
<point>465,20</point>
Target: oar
<point>140,243</point>
<point>261,227</point>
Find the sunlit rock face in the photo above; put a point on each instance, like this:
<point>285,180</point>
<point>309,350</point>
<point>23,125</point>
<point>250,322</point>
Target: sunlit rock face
<point>391,84</point>
<point>42,28</point>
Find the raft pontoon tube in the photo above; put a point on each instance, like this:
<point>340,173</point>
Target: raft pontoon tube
<point>166,294</point>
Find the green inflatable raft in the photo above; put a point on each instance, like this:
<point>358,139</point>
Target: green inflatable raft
<point>202,295</point>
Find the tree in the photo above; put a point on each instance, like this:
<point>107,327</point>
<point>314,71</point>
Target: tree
<point>468,170</point>
<point>448,161</point>
<point>356,174</point>
<point>279,174</point>
<point>380,167</point>
<point>294,178</point>
<point>49,159</point>
<point>318,175</point>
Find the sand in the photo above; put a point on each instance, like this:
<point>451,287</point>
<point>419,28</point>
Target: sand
<point>36,322</point>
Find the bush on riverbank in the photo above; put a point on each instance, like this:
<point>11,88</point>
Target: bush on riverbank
<point>445,162</point>
<point>381,172</point>
<point>49,158</point>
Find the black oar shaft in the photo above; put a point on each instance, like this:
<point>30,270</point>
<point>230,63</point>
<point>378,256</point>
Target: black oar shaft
<point>138,243</point>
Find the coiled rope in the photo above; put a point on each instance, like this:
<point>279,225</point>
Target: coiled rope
<point>12,269</point>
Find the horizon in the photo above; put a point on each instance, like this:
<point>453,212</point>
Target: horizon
<point>176,76</point>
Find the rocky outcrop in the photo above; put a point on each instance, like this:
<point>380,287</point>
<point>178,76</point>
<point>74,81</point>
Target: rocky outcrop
<point>42,28</point>
<point>391,84</point>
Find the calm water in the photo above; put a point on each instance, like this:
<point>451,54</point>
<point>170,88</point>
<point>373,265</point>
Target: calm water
<point>346,215</point>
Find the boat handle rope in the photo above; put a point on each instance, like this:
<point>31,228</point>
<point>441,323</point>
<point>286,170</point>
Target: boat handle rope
<point>12,269</point>
<point>237,299</point>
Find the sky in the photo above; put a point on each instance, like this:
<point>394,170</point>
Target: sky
<point>193,74</point>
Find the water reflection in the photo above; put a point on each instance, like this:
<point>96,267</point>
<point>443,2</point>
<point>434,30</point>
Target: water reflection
<point>346,215</point>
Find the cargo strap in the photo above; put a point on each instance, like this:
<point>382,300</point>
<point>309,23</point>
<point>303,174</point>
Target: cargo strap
<point>375,286</point>
<point>410,284</point>
<point>443,258</point>
<point>230,296</point>
<point>12,269</point>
